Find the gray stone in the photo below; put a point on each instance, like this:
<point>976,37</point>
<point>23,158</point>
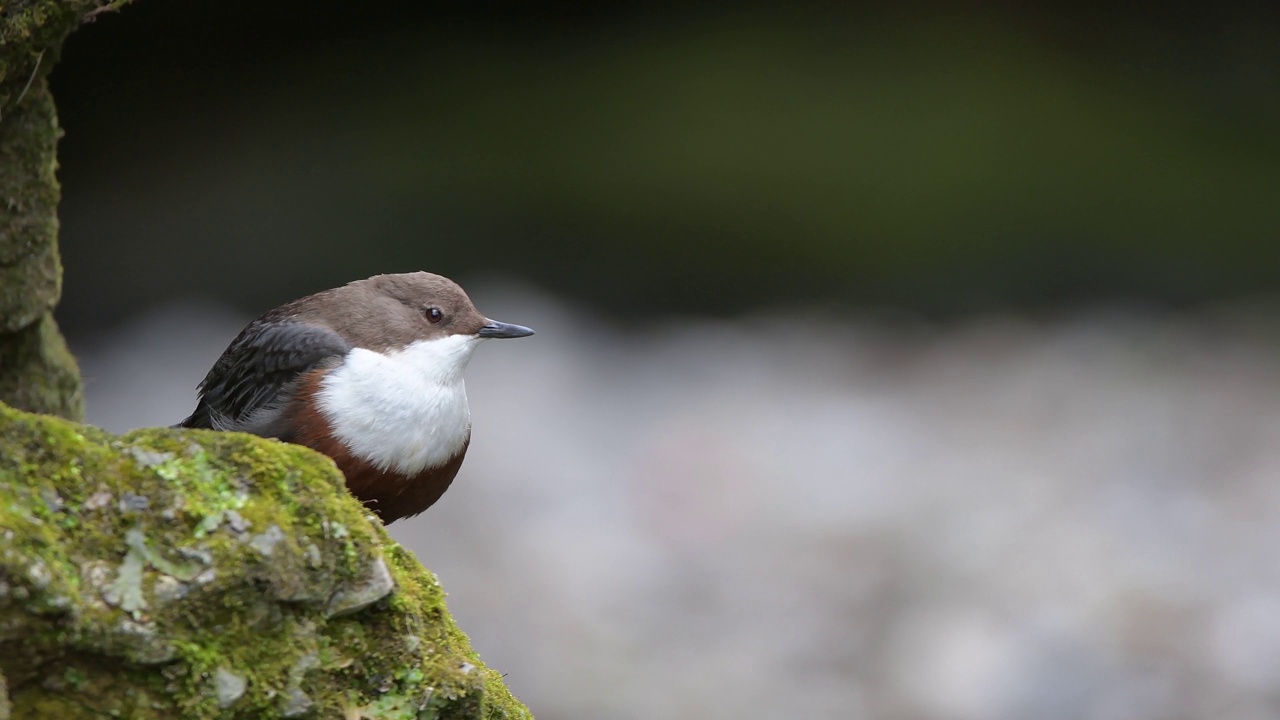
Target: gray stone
<point>98,500</point>
<point>236,522</point>
<point>143,645</point>
<point>229,687</point>
<point>39,575</point>
<point>296,703</point>
<point>131,502</point>
<point>52,500</point>
<point>265,542</point>
<point>149,458</point>
<point>168,589</point>
<point>375,585</point>
<point>314,558</point>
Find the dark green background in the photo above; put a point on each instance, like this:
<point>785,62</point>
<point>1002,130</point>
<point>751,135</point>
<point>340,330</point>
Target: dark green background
<point>648,159</point>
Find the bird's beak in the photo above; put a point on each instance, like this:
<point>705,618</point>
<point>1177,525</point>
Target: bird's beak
<point>495,329</point>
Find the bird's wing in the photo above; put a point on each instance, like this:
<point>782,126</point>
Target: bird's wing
<point>257,373</point>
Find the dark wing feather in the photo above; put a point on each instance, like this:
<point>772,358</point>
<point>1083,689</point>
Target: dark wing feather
<point>257,373</point>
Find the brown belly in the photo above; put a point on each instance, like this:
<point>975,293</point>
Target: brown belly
<point>390,495</point>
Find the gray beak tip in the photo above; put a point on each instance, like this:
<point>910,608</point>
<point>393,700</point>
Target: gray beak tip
<point>495,329</point>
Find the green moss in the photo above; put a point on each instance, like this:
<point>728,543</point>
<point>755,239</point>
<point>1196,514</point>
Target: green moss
<point>196,574</point>
<point>38,374</point>
<point>30,274</point>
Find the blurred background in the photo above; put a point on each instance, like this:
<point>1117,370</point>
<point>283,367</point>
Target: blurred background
<point>891,363</point>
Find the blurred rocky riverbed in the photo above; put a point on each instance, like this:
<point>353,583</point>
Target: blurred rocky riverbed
<point>799,515</point>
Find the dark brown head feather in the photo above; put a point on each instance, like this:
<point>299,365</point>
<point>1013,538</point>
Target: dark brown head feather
<point>387,312</point>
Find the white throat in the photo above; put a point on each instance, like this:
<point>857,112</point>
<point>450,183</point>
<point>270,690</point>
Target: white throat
<point>404,410</point>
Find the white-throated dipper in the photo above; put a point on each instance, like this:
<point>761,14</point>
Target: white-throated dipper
<point>369,374</point>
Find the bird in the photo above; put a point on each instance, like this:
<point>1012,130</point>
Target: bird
<point>369,374</point>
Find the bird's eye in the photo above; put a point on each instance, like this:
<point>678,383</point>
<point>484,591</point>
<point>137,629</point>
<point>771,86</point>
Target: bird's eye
<point>433,314</point>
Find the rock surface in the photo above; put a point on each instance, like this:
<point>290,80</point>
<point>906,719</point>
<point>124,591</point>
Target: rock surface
<point>168,573</point>
<point>36,371</point>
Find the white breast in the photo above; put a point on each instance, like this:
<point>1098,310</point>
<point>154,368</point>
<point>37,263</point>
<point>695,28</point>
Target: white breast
<point>404,411</point>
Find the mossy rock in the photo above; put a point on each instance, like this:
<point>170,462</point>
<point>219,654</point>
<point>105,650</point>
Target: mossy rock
<point>38,373</point>
<point>31,32</point>
<point>196,574</point>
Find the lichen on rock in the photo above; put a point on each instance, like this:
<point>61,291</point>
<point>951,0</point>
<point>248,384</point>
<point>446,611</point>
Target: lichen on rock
<point>194,574</point>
